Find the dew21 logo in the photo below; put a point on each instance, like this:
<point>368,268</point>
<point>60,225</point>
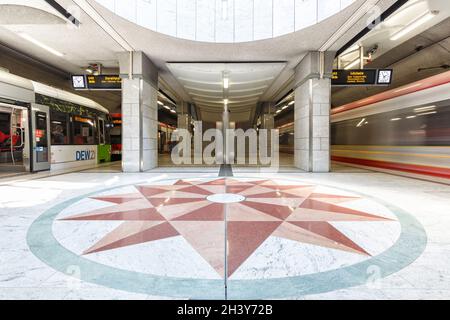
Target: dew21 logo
<point>85,155</point>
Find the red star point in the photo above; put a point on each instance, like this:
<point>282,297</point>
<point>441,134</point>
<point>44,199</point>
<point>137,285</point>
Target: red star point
<point>294,212</point>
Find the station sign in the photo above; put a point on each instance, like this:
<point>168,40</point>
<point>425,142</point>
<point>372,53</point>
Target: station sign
<point>100,82</point>
<point>362,77</point>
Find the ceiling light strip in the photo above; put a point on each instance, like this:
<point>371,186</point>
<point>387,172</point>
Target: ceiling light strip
<point>268,79</point>
<point>200,82</point>
<point>40,44</point>
<point>226,83</point>
<point>256,94</point>
<point>202,90</point>
<point>422,19</point>
<point>220,101</point>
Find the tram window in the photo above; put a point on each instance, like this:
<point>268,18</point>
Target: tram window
<point>83,130</point>
<point>116,139</point>
<point>59,128</point>
<point>108,127</point>
<point>5,129</point>
<point>41,137</point>
<point>415,126</point>
<point>101,131</point>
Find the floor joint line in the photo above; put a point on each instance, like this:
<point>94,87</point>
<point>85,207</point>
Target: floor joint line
<point>226,245</point>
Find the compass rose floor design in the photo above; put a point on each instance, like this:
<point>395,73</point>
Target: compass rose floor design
<point>201,220</point>
<point>205,232</point>
<point>197,236</point>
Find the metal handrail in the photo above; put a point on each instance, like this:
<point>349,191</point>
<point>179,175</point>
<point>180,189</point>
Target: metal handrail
<point>22,137</point>
<point>11,137</point>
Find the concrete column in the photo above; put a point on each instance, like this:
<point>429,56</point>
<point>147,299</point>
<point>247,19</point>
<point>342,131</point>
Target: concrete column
<point>268,121</point>
<point>139,112</point>
<point>184,122</point>
<point>228,153</point>
<point>183,116</point>
<point>312,112</point>
<point>268,108</point>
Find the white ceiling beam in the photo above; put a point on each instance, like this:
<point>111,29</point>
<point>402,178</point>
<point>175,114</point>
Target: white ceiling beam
<point>348,24</point>
<point>102,23</point>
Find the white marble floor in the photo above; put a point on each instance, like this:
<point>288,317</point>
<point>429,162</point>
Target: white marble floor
<point>27,275</point>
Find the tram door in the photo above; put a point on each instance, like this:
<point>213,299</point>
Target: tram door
<point>40,120</point>
<point>14,139</point>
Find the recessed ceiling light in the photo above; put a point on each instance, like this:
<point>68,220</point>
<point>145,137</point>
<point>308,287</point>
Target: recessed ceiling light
<point>226,83</point>
<point>361,122</point>
<point>426,16</point>
<point>396,119</point>
<point>291,103</point>
<point>160,103</point>
<point>423,109</point>
<point>40,44</point>
<point>427,113</point>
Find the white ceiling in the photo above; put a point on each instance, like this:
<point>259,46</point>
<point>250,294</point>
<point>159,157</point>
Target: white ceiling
<point>90,44</point>
<point>381,35</point>
<point>205,85</point>
<point>225,21</point>
<point>80,45</point>
<point>426,46</point>
<point>14,14</point>
<point>291,48</point>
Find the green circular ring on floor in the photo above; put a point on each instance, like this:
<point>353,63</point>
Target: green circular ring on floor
<point>409,246</point>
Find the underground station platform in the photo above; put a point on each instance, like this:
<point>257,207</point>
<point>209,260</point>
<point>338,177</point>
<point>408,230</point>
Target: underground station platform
<point>253,150</point>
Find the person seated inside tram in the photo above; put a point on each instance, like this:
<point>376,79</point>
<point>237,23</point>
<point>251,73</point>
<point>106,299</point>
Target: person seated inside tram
<point>4,139</point>
<point>58,135</point>
<point>3,136</point>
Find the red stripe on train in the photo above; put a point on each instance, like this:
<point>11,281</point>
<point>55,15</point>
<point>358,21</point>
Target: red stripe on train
<point>411,168</point>
<point>431,82</point>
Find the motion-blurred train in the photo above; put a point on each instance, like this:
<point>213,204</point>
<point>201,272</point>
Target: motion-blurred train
<point>404,131</point>
<point>44,128</point>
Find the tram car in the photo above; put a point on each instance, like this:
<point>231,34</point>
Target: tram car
<point>405,130</point>
<point>44,128</point>
<point>116,137</point>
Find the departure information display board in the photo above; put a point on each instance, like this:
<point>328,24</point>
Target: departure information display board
<point>101,82</point>
<point>362,77</point>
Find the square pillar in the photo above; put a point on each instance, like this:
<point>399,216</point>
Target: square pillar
<point>312,112</point>
<point>268,121</point>
<point>139,113</point>
<point>183,116</point>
